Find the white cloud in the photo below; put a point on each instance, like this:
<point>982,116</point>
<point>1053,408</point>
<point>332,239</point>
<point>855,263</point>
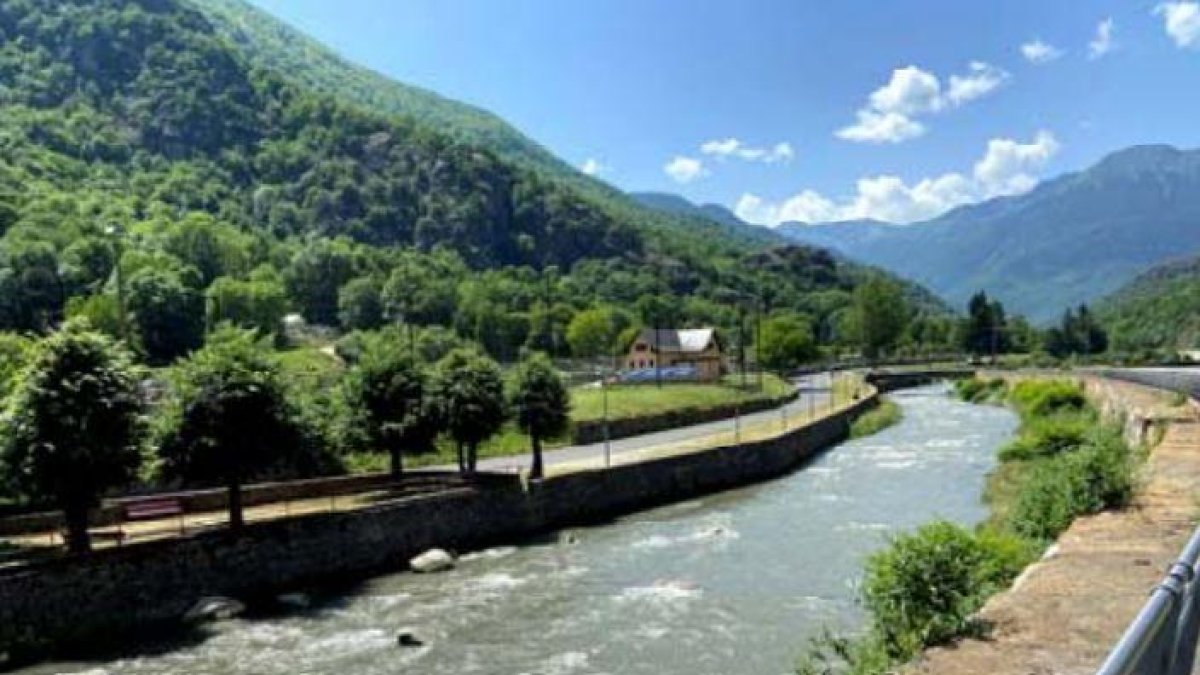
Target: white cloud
<point>889,114</point>
<point>1038,52</point>
<point>593,167</point>
<point>1007,167</point>
<point>685,169</point>
<point>1182,21</point>
<point>732,147</point>
<point>910,91</point>
<point>1103,42</point>
<point>876,127</point>
<point>981,79</point>
<point>1004,168</point>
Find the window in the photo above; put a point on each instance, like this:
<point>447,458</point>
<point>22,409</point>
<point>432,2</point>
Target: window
<point>639,347</point>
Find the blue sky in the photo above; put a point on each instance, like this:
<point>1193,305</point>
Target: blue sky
<point>855,108</point>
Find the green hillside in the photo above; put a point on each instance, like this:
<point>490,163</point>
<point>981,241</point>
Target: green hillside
<point>240,171</point>
<point>1158,309</point>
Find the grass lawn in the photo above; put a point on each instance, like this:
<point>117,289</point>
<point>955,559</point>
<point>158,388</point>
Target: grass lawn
<point>632,400</point>
<point>587,404</point>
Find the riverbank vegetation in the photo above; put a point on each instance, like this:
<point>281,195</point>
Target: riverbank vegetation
<point>925,587</point>
<point>885,415</point>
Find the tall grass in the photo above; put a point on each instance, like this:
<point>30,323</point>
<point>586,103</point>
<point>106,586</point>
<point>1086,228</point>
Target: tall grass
<point>886,414</point>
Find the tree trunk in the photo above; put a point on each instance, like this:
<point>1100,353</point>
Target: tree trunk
<point>237,519</point>
<point>397,463</point>
<point>76,517</point>
<point>537,469</point>
<point>462,460</point>
<point>472,457</point>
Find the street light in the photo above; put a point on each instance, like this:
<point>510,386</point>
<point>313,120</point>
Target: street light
<point>116,232</point>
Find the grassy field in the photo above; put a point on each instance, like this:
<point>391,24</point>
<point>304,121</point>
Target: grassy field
<point>317,373</point>
<point>647,399</point>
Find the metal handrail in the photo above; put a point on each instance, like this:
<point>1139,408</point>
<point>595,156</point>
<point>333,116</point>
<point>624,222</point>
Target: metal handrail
<point>1162,638</point>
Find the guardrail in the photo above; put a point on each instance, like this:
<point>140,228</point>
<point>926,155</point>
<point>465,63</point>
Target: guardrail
<point>1162,639</point>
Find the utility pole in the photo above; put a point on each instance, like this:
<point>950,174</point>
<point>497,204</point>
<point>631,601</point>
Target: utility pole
<point>115,231</point>
<point>758,339</point>
<point>742,342</point>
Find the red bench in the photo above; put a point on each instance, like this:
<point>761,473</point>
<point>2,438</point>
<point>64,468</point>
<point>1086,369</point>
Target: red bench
<point>153,508</point>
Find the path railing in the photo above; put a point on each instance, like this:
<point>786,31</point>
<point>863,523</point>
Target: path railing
<point>1162,639</point>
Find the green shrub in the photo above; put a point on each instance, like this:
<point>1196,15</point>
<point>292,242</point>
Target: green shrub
<point>873,421</point>
<point>1098,476</point>
<point>1048,436</point>
<point>975,390</point>
<point>924,587</point>
<point>1040,398</point>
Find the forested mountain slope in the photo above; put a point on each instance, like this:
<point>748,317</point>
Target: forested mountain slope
<point>1160,308</point>
<point>1071,240</point>
<point>234,180</point>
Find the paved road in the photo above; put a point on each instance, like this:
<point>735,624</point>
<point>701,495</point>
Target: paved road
<point>1177,378</point>
<point>814,390</point>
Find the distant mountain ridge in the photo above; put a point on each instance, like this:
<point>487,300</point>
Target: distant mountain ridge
<point>730,223</point>
<point>1072,239</point>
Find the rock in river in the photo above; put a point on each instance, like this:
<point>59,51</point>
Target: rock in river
<point>406,638</point>
<point>433,560</point>
<point>214,608</point>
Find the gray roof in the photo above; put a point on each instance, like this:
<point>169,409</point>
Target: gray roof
<point>679,340</point>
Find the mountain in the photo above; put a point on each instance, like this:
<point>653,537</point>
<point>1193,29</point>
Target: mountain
<point>1071,240</point>
<point>272,45</point>
<point>734,227</point>
<point>1160,308</point>
<point>220,153</point>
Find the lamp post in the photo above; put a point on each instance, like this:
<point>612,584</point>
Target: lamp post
<point>115,232</point>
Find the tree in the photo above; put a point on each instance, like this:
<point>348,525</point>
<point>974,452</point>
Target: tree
<point>984,331</point>
<point>541,404</point>
<point>230,421</point>
<point>1078,333</point>
<point>470,397</point>
<point>315,275</point>
<point>359,305</point>
<point>878,315</point>
<point>594,332</point>
<point>786,342</point>
<point>73,425</point>
<point>167,312</point>
<point>388,390</point>
<point>101,311</point>
<point>31,290</point>
<point>259,302</point>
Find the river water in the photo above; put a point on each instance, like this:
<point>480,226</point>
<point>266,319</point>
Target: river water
<point>731,584</point>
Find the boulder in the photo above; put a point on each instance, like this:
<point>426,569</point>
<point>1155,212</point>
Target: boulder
<point>214,608</point>
<point>297,600</point>
<point>433,560</point>
<point>406,638</point>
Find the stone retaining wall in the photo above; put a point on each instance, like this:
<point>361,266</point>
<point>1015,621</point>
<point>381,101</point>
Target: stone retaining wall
<point>66,602</point>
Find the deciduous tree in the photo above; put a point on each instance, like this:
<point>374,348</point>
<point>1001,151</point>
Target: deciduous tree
<point>231,421</point>
<point>470,395</point>
<point>541,403</point>
<point>73,425</point>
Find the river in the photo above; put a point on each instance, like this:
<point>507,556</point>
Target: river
<point>731,584</point>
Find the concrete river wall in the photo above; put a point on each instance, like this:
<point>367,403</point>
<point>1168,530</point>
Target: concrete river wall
<point>66,602</point>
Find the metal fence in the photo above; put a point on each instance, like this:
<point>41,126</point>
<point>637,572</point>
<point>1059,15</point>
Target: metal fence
<point>1162,638</point>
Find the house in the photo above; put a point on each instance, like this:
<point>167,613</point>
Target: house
<point>698,348</point>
